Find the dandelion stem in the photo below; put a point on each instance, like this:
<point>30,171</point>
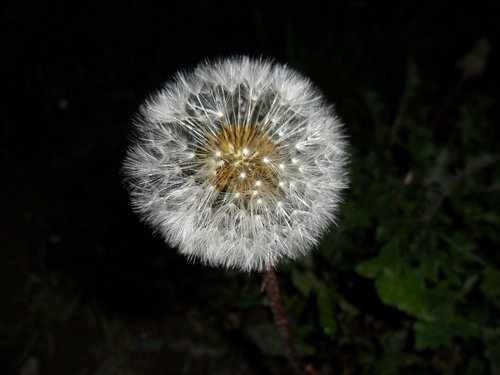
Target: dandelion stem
<point>273,292</point>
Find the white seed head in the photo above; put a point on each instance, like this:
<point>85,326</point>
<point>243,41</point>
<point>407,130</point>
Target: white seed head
<point>265,167</point>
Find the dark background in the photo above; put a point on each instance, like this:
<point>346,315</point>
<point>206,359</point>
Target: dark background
<point>85,288</point>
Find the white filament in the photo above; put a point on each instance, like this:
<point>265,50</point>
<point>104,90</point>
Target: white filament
<point>174,188</point>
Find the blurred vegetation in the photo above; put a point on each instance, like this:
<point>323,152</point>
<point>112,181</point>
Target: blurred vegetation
<point>421,225</point>
<point>409,280</point>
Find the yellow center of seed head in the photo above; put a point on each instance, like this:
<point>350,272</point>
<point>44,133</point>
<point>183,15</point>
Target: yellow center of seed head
<point>244,155</point>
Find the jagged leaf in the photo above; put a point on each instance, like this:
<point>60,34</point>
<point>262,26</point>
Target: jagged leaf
<point>405,291</point>
<point>432,335</point>
<point>387,258</point>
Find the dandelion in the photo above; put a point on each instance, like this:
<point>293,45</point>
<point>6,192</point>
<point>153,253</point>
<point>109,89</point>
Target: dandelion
<point>239,163</point>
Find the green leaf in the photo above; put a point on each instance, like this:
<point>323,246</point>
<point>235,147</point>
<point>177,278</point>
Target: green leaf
<point>387,258</point>
<point>432,335</point>
<point>476,366</point>
<point>303,281</point>
<point>492,352</point>
<point>306,283</point>
<point>327,313</point>
<point>394,356</point>
<point>473,63</point>
<point>151,344</point>
<point>356,215</point>
<point>490,285</point>
<point>462,247</point>
<point>108,367</point>
<point>405,291</point>
<point>265,336</point>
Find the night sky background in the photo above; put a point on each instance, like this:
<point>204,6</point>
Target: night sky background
<point>86,288</point>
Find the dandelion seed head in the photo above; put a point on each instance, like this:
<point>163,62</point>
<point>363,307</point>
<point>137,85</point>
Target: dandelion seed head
<point>239,163</point>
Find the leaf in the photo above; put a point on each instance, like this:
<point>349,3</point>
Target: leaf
<point>303,281</point>
<point>394,356</point>
<point>492,352</point>
<point>405,291</point>
<point>356,215</point>
<point>151,344</point>
<point>474,62</point>
<point>462,248</point>
<point>490,286</point>
<point>265,336</point>
<point>432,335</point>
<point>306,283</point>
<point>412,81</point>
<point>108,367</point>
<point>387,258</point>
<point>476,366</point>
<point>327,313</point>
